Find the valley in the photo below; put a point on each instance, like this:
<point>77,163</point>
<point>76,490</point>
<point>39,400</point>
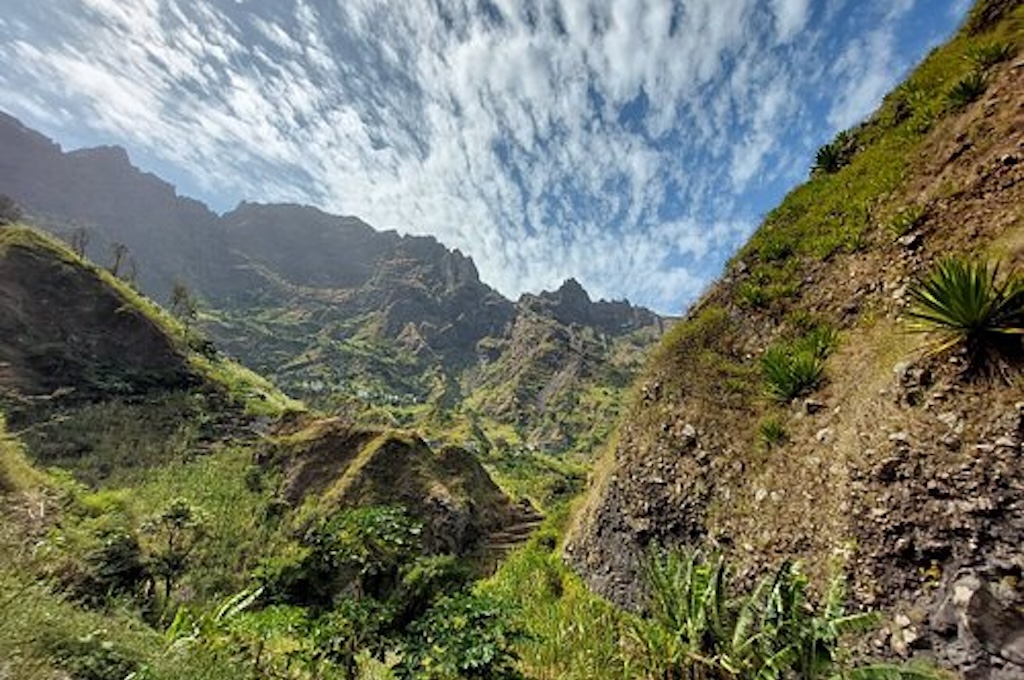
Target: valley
<point>280,443</point>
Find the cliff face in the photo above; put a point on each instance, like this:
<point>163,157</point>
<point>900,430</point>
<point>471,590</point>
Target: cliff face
<point>169,237</point>
<point>901,467</point>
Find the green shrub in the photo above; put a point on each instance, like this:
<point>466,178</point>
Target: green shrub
<point>92,657</point>
<point>967,90</point>
<point>964,303</point>
<point>790,374</point>
<point>835,155</point>
<point>357,552</point>
<point>790,369</point>
<point>463,636</point>
<point>771,432</point>
<point>989,54</point>
<point>752,295</point>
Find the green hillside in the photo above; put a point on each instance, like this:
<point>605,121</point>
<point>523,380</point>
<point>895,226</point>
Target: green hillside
<point>794,415</point>
<point>811,478</point>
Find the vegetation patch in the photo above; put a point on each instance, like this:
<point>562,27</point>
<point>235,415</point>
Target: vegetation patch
<point>966,303</point>
<point>794,368</point>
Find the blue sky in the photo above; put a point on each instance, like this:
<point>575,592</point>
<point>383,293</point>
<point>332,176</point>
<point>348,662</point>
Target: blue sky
<point>631,144</point>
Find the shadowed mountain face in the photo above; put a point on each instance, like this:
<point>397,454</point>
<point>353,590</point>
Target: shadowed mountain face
<point>100,192</point>
<point>340,314</point>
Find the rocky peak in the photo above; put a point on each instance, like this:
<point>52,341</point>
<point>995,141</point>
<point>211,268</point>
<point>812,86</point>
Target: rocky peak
<point>571,304</point>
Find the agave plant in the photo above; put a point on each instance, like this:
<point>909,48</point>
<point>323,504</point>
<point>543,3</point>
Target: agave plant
<point>967,90</point>
<point>989,54</point>
<point>792,369</point>
<point>700,626</point>
<point>964,303</point>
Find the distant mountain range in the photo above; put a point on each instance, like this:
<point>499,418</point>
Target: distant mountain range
<point>396,328</point>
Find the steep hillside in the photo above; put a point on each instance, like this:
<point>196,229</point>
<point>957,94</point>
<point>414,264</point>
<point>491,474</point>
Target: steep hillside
<point>66,327</point>
<point>95,375</point>
<point>330,465</point>
<point>902,467</point>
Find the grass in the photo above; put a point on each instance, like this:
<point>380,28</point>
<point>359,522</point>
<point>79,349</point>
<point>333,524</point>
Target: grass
<point>794,368</point>
<point>907,219</point>
<point>16,471</point>
<point>833,213</point>
<point>571,634</point>
<point>771,432</point>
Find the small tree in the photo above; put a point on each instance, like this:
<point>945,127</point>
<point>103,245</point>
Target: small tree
<point>10,212</point>
<point>176,533</point>
<point>119,252</point>
<point>79,240</point>
<point>183,304</point>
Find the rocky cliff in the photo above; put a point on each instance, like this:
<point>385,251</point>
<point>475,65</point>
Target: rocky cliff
<point>902,467</point>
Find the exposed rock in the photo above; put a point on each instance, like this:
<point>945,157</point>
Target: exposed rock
<point>812,406</point>
<point>979,631</point>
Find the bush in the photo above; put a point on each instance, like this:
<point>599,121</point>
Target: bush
<point>93,657</point>
<point>835,155</point>
<point>967,90</point>
<point>788,374</point>
<point>361,552</point>
<point>964,303</point>
<point>792,369</point>
<point>463,636</point>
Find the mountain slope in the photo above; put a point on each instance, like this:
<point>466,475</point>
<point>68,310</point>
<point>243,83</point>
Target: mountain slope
<point>66,326</point>
<point>397,331</point>
<point>899,466</point>
<point>101,381</point>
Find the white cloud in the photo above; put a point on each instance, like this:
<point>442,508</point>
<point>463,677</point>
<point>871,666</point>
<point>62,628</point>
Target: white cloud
<point>609,140</point>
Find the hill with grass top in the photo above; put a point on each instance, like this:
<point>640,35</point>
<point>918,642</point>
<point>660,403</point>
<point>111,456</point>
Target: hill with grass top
<point>794,415</point>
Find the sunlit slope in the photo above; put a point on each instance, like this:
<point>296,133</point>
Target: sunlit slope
<point>900,466</point>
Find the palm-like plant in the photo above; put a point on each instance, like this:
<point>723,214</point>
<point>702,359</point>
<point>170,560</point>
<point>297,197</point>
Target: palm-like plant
<point>795,368</point>
<point>963,302</point>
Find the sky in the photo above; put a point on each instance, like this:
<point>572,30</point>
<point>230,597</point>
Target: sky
<point>631,144</point>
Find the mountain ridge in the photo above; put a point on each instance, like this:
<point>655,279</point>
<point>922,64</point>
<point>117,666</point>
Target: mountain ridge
<point>396,329</point>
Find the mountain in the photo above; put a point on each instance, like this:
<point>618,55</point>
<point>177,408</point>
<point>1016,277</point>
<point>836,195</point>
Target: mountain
<point>899,465</point>
<point>398,329</point>
<point>84,355</point>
